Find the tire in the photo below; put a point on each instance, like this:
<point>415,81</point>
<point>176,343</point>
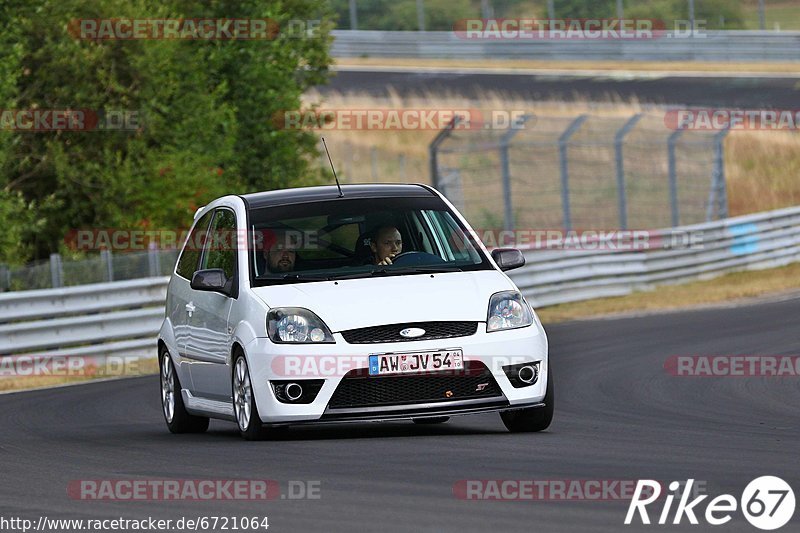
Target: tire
<point>244,403</point>
<point>534,418</point>
<point>175,415</point>
<point>431,420</point>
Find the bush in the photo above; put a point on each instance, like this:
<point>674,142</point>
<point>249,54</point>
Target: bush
<point>204,108</point>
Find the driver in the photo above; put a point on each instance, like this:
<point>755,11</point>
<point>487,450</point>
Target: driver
<point>386,245</point>
<point>280,255</point>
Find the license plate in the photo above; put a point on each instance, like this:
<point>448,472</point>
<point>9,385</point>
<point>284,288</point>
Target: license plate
<point>412,363</point>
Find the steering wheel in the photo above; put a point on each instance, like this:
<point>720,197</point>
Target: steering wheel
<point>416,258</point>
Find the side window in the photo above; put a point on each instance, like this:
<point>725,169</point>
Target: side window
<point>220,248</point>
<point>187,264</point>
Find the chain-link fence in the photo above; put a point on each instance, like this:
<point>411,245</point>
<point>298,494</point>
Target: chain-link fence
<point>60,272</point>
<point>582,172</point>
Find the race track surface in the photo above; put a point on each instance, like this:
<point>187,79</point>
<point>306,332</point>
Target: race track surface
<point>743,92</point>
<point>619,416</point>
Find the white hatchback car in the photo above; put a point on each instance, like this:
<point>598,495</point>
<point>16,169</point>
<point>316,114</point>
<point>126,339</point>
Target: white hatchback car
<point>373,302</point>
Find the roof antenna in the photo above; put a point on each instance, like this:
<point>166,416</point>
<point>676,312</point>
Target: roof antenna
<point>341,194</point>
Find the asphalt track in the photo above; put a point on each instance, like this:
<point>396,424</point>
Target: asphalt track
<point>712,91</point>
<point>619,416</point>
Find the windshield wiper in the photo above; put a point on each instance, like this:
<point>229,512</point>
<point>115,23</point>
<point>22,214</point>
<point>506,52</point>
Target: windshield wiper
<point>296,277</point>
<point>437,269</point>
<point>398,272</point>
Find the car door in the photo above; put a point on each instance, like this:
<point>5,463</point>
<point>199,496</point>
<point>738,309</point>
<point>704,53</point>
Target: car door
<point>180,294</point>
<point>208,343</point>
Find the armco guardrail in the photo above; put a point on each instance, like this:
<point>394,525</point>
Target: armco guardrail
<point>119,318</point>
<point>755,241</point>
<point>729,45</point>
<point>123,318</point>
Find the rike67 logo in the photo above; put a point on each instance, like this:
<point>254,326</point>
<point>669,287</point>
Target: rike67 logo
<point>767,503</point>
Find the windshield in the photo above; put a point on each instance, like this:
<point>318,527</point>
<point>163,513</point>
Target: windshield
<point>352,238</point>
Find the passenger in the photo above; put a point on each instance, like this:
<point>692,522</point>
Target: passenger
<point>386,245</point>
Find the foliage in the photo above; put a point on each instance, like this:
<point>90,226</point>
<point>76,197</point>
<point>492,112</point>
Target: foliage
<point>204,109</point>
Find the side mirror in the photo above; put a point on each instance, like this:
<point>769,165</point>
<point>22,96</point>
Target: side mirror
<point>212,279</point>
<point>508,258</point>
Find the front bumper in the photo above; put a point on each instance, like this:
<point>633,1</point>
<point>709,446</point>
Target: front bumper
<point>269,361</point>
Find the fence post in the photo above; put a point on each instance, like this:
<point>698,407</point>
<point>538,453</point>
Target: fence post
<point>5,278</point>
<point>718,196</point>
<point>622,199</point>
<point>673,177</point>
<point>108,260</point>
<point>563,144</point>
<point>505,141</point>
<point>433,150</point>
<point>153,260</point>
<point>56,271</point>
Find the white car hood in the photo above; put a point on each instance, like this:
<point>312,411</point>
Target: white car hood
<point>358,303</point>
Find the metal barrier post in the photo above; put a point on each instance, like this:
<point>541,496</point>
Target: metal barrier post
<point>56,271</point>
<point>673,176</point>
<point>505,141</point>
<point>105,256</point>
<point>563,144</point>
<point>433,150</point>
<point>153,260</point>
<point>621,196</point>
<point>718,196</point>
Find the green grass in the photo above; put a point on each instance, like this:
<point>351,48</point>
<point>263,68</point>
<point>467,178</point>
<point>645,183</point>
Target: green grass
<point>785,14</point>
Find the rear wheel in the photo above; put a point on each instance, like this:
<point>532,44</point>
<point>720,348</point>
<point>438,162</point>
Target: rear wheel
<point>175,414</point>
<point>534,418</point>
<point>431,420</point>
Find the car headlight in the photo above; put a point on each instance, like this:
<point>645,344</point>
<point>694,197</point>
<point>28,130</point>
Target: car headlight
<point>508,310</point>
<point>295,325</point>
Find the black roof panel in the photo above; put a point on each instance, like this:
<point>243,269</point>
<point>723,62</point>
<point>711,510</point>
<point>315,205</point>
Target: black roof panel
<point>331,192</point>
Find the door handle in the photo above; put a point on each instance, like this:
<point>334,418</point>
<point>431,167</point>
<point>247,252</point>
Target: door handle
<point>190,308</point>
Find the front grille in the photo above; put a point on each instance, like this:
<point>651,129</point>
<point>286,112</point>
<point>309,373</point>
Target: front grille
<point>359,390</point>
<point>391,333</point>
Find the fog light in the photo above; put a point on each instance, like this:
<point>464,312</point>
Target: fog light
<point>297,391</point>
<point>528,374</point>
<point>293,391</point>
<point>523,374</point>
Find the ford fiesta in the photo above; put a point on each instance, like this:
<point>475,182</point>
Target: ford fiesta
<point>327,304</point>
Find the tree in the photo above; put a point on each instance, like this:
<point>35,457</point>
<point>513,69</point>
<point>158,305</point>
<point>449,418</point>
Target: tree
<point>204,110</point>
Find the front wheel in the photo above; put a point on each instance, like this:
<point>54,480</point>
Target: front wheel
<point>532,419</point>
<point>178,419</point>
<point>244,405</point>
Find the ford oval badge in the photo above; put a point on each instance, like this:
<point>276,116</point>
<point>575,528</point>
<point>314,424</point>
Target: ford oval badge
<point>412,333</point>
